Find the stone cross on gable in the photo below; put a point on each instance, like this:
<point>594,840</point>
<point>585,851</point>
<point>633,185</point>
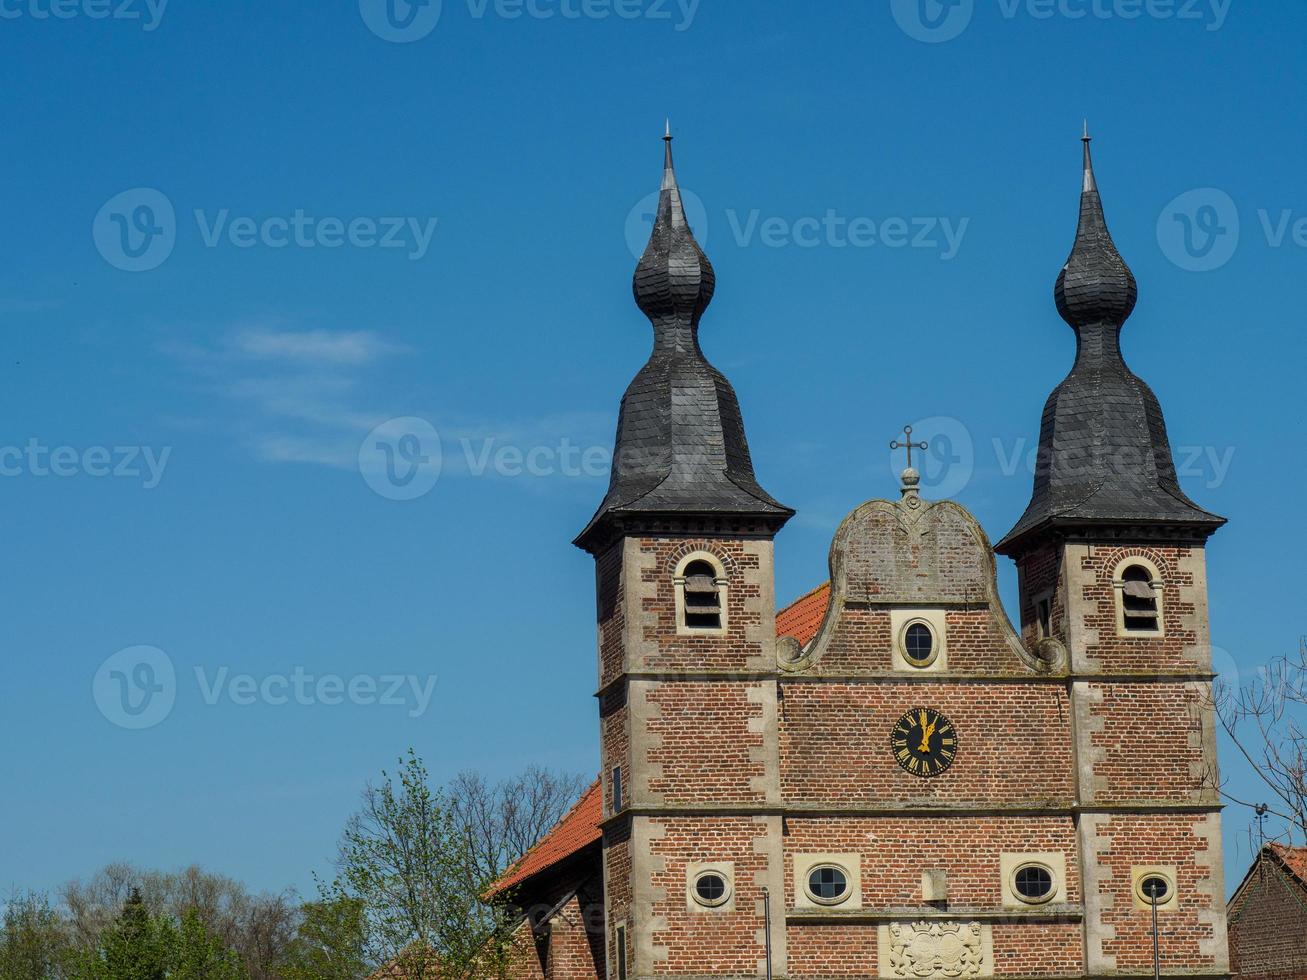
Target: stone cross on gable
<point>909,445</point>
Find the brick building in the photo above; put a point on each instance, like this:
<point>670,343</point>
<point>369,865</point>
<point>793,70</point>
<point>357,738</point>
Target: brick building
<point>887,779</point>
<point>1268,916</point>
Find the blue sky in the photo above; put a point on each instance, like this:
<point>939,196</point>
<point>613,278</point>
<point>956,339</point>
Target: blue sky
<point>435,226</point>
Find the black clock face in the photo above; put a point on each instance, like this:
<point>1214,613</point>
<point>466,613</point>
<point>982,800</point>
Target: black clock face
<point>924,742</point>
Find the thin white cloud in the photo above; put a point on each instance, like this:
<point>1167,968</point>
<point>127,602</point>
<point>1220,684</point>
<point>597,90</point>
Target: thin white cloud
<point>311,397</point>
<point>313,347</point>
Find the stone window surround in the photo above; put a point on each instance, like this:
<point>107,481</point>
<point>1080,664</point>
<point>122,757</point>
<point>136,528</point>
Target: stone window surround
<point>933,619</point>
<point>1118,590</point>
<point>1054,862</point>
<point>1141,871</point>
<point>850,865</point>
<point>621,951</point>
<point>693,872</point>
<point>1036,601</point>
<point>723,593</point>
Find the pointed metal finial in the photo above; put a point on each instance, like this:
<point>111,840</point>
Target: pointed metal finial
<point>1091,182</point>
<point>668,135</point>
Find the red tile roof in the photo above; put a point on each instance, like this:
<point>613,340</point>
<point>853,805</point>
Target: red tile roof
<point>1294,858</point>
<point>574,833</point>
<point>802,618</point>
<point>581,827</point>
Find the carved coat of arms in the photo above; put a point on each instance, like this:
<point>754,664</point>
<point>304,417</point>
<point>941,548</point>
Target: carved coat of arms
<point>937,949</point>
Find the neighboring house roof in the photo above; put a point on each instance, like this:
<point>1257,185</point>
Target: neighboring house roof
<point>574,833</point>
<point>1294,859</point>
<point>582,827</point>
<point>1290,863</point>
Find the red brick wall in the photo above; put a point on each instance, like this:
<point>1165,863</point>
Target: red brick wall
<point>1127,840</point>
<point>1147,741</point>
<point>1112,653</point>
<point>861,642</point>
<point>895,851</point>
<point>706,752</point>
<point>611,609</point>
<point>617,878</point>
<point>710,942</point>
<point>832,951</point>
<point>1040,573</point>
<point>576,947</point>
<point>1268,926</point>
<point>1014,743</point>
<point>1045,950</point>
<point>665,650</point>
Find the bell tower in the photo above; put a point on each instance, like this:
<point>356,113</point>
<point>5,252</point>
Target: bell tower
<point>687,662</point>
<point>1112,565</point>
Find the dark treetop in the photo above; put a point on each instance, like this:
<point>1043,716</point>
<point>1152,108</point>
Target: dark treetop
<point>1104,456</point>
<point>680,448</point>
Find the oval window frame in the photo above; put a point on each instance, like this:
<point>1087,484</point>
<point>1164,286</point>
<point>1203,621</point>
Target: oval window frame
<point>1025,899</point>
<point>1147,899</point>
<point>935,645</point>
<point>727,894</point>
<point>828,902</point>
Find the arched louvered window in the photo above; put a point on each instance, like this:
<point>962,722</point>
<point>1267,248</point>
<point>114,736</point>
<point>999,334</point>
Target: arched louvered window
<point>701,591</point>
<point>1139,599</point>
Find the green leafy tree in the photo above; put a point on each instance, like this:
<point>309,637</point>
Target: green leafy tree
<point>34,943</point>
<point>201,956</point>
<point>331,942</point>
<point>138,946</point>
<point>408,860</point>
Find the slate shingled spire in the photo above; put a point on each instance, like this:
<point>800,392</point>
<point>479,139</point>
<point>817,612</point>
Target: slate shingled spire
<point>1104,456</point>
<point>680,450</point>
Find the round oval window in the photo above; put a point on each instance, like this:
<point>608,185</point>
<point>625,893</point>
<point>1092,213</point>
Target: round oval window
<point>1154,889</point>
<point>919,645</point>
<point>711,889</point>
<point>1033,883</point>
<point>828,885</point>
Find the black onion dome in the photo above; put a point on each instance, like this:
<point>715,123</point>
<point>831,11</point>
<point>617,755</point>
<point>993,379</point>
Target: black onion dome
<point>674,280</point>
<point>680,449</point>
<point>1104,453</point>
<point>1095,285</point>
